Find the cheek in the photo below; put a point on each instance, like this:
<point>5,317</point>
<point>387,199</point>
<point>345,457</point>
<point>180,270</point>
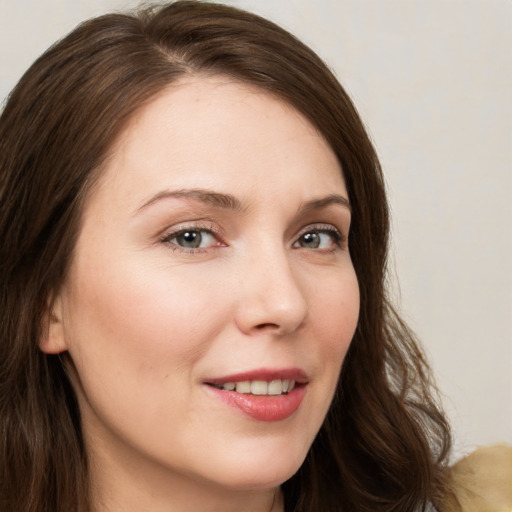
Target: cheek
<point>338,313</point>
<point>144,321</point>
<point>135,337</point>
<point>335,308</point>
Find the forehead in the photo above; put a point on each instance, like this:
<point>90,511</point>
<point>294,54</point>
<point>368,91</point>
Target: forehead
<point>211,132</point>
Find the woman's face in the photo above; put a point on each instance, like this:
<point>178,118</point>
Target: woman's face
<point>212,255</point>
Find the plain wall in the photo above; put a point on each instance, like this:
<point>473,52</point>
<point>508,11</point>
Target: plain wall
<point>432,80</point>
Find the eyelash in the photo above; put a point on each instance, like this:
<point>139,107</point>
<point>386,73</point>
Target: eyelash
<point>199,228</point>
<point>338,238</point>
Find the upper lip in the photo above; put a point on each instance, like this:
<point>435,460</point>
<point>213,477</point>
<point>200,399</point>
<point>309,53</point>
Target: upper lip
<point>267,374</point>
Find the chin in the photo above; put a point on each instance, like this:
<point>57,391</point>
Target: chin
<point>270,478</point>
<point>265,470</point>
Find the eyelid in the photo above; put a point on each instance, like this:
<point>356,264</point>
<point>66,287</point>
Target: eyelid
<point>196,225</point>
<point>322,226</point>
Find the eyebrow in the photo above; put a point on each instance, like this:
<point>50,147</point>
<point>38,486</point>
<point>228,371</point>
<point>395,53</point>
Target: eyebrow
<point>324,202</point>
<point>224,201</point>
<point>230,202</point>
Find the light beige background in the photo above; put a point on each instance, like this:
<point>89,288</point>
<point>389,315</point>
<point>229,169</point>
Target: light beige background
<point>432,80</point>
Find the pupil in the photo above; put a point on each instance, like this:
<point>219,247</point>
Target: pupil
<point>191,239</point>
<point>311,240</point>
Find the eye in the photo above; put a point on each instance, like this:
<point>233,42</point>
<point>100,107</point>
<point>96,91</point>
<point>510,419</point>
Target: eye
<point>191,238</point>
<point>326,237</point>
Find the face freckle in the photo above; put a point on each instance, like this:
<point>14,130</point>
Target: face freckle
<point>191,266</point>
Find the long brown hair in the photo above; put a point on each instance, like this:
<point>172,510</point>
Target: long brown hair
<point>384,442</point>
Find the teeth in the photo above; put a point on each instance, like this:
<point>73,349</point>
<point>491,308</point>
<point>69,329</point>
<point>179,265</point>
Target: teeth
<point>260,387</point>
<point>243,387</point>
<point>275,387</point>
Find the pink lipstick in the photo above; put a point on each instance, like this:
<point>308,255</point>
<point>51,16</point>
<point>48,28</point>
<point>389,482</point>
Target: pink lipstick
<point>263,394</point>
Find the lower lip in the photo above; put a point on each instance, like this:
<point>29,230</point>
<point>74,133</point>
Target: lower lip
<point>263,407</point>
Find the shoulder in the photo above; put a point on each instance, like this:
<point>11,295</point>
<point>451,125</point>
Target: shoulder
<point>482,481</point>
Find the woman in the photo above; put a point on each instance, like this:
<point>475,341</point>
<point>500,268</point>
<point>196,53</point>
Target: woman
<point>176,336</point>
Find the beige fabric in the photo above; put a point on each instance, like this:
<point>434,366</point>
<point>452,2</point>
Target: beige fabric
<point>483,480</point>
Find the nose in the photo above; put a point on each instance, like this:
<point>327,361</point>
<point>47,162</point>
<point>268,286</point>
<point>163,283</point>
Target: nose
<point>270,297</point>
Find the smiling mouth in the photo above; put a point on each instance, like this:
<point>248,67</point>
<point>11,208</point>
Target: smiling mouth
<point>259,387</point>
<point>265,394</point>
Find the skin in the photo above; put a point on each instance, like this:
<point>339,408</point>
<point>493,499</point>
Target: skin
<point>145,320</point>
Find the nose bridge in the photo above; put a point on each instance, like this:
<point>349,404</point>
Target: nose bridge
<point>272,297</point>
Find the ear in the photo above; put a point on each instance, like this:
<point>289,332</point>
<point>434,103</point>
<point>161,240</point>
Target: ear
<point>52,339</point>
